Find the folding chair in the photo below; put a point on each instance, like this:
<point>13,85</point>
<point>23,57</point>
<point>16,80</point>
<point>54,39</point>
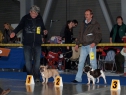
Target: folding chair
<point>110,59</point>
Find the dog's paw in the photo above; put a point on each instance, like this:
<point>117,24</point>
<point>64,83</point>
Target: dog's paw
<point>105,82</point>
<point>88,83</point>
<point>43,82</point>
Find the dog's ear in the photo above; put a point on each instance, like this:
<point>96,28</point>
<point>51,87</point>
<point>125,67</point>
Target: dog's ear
<point>90,68</point>
<point>40,65</point>
<point>46,66</point>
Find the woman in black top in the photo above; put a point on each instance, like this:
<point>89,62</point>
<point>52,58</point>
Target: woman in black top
<point>68,35</point>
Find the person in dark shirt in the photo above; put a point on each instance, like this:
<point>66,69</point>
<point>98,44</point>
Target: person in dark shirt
<point>74,23</point>
<point>33,31</point>
<point>68,35</point>
<point>118,31</point>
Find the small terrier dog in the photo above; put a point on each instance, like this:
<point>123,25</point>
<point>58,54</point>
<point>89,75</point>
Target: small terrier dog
<point>92,74</point>
<point>48,73</point>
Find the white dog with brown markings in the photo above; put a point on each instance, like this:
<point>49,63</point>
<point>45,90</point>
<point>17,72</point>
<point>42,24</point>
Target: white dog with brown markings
<point>94,74</point>
<point>48,73</point>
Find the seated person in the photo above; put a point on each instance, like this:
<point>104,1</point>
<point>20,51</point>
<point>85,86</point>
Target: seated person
<point>6,34</point>
<point>119,60</point>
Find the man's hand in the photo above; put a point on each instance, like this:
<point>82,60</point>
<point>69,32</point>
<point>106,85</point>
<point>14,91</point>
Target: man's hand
<point>124,37</point>
<point>76,48</point>
<point>76,39</point>
<point>68,47</point>
<point>92,45</point>
<point>12,35</point>
<point>45,32</point>
<point>110,40</point>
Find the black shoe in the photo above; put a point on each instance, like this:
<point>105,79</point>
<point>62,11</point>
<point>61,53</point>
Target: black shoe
<point>74,81</point>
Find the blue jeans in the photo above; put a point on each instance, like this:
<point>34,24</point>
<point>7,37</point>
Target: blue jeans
<point>85,50</point>
<point>32,54</point>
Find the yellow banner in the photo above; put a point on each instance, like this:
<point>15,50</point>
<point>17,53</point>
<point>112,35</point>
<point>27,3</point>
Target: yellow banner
<point>100,44</point>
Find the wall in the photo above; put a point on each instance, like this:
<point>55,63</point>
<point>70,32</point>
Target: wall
<point>75,10</point>
<point>9,12</point>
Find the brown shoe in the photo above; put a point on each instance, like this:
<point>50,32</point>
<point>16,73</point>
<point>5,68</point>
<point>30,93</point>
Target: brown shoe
<point>5,92</point>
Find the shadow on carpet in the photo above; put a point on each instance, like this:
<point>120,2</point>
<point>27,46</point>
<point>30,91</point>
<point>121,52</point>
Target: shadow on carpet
<point>67,78</point>
<point>13,75</point>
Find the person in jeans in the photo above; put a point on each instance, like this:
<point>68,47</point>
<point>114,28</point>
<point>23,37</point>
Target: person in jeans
<point>33,31</point>
<point>89,36</point>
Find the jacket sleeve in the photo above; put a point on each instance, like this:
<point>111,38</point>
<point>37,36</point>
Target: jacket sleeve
<point>125,30</point>
<point>98,34</point>
<point>111,33</point>
<point>20,26</point>
<point>79,35</point>
<point>43,27</point>
<point>66,36</point>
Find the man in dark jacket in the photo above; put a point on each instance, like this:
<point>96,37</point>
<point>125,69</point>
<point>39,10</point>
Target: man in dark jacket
<point>33,30</point>
<point>89,37</point>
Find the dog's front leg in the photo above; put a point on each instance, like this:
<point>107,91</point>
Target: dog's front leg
<point>104,80</point>
<point>93,79</point>
<point>54,78</point>
<point>46,80</point>
<point>103,76</point>
<point>97,80</point>
<point>43,80</point>
<point>88,80</point>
